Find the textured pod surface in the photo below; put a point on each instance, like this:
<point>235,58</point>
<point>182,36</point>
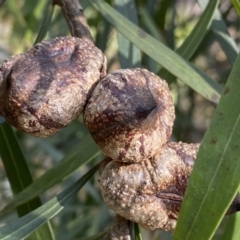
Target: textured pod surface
<point>151,192</point>
<point>120,230</point>
<point>130,114</point>
<point>44,89</point>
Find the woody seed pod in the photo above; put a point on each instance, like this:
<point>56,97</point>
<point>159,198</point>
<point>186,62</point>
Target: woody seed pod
<point>120,230</point>
<point>44,89</point>
<point>151,192</point>
<point>130,114</point>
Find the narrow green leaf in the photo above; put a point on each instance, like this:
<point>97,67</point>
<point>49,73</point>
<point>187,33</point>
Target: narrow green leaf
<point>221,32</point>
<point>80,154</point>
<point>153,30</point>
<point>23,227</point>
<point>189,46</point>
<point>161,15</point>
<point>236,4</point>
<point>129,55</point>
<point>150,24</point>
<point>170,36</point>
<point>46,22</point>
<point>138,235</point>
<point>102,35</point>
<point>232,230</point>
<point>18,174</point>
<point>160,53</point>
<point>214,181</point>
<point>15,165</point>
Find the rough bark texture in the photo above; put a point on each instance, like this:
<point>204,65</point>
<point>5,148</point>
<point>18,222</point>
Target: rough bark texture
<point>151,192</point>
<point>44,89</point>
<point>130,114</point>
<point>120,230</point>
<point>74,15</point>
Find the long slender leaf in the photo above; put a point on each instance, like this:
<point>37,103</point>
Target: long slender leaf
<point>46,21</point>
<point>19,175</point>
<point>170,36</point>
<point>214,181</point>
<point>103,35</point>
<point>236,4</point>
<point>189,46</point>
<point>221,32</point>
<point>232,230</point>
<point>150,24</point>
<point>79,155</point>
<point>153,30</point>
<point>129,55</point>
<point>160,53</point>
<point>138,235</point>
<point>161,15</point>
<point>24,226</point>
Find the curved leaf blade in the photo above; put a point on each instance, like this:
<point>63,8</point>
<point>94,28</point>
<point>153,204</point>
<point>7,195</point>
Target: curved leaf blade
<point>46,22</point>
<point>129,55</point>
<point>80,154</point>
<point>221,32</point>
<point>153,30</point>
<point>160,53</point>
<point>150,24</point>
<point>23,227</point>
<point>232,230</point>
<point>191,43</point>
<point>19,175</point>
<point>236,4</point>
<point>216,171</point>
<point>138,235</point>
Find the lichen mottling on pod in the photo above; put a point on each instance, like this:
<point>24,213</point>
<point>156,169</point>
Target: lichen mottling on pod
<point>151,192</point>
<point>130,114</point>
<point>120,230</point>
<point>44,89</point>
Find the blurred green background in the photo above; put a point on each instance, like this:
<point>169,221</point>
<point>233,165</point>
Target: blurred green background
<point>171,22</point>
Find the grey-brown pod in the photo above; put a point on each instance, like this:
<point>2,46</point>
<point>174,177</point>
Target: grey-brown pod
<point>120,230</point>
<point>130,114</point>
<point>44,89</point>
<point>151,192</point>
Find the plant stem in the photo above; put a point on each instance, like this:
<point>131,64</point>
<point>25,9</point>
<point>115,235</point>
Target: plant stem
<point>74,15</point>
<point>2,2</point>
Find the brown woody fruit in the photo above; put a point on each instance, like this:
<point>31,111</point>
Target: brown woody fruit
<point>120,230</point>
<point>44,89</point>
<point>130,114</point>
<point>151,192</point>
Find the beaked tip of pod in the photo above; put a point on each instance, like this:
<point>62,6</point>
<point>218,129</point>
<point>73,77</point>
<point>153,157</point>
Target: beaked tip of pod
<point>130,114</point>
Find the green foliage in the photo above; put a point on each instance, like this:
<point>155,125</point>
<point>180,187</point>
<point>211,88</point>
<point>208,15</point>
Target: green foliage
<point>132,34</point>
<point>22,227</point>
<point>236,4</point>
<point>217,165</point>
<point>19,176</point>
